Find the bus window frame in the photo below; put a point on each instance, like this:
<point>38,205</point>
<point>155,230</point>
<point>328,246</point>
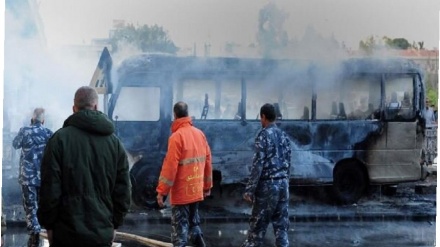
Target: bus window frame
<point>135,79</point>
<point>416,102</point>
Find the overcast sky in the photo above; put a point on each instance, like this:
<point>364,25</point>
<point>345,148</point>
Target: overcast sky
<point>218,21</point>
<point>31,71</point>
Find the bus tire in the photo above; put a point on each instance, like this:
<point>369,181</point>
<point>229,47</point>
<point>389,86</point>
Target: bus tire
<point>144,183</point>
<point>349,183</point>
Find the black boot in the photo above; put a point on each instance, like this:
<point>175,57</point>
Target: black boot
<point>34,240</point>
<point>198,241</point>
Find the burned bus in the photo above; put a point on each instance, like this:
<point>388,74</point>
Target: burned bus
<point>352,123</point>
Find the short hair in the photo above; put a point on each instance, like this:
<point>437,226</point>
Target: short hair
<point>269,111</point>
<point>85,98</point>
<point>180,109</point>
<point>38,114</point>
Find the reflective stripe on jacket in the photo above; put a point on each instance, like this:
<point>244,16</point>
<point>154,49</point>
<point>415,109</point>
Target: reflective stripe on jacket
<point>187,170</point>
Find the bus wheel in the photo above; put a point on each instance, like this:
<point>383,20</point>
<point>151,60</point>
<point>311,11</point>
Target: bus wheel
<point>144,183</point>
<point>349,183</point>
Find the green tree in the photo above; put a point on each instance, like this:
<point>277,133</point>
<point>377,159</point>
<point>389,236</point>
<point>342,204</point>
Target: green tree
<point>398,43</point>
<point>387,41</point>
<point>401,43</point>
<point>368,45</point>
<point>271,36</point>
<point>146,38</point>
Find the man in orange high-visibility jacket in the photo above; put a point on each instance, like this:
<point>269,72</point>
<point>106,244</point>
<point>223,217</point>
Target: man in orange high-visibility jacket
<point>186,176</point>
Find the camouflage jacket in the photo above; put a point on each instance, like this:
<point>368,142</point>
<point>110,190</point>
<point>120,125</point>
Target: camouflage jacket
<point>272,157</point>
<point>32,141</point>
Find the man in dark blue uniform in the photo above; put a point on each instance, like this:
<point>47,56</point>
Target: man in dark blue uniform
<point>32,141</point>
<point>268,184</point>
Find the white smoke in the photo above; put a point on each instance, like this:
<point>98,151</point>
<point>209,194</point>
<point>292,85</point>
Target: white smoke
<point>38,77</point>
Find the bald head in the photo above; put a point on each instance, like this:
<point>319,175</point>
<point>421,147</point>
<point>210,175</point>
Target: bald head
<point>86,98</point>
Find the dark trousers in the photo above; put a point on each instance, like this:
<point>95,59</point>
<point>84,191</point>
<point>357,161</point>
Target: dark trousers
<point>271,204</point>
<point>185,220</point>
<point>30,205</point>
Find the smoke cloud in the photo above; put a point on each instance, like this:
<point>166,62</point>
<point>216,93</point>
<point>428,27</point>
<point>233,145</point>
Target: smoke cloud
<point>38,77</point>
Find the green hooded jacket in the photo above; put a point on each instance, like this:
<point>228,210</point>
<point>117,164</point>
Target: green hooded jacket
<point>85,184</point>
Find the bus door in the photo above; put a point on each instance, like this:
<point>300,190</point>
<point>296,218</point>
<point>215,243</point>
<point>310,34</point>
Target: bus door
<point>144,130</point>
<point>402,159</point>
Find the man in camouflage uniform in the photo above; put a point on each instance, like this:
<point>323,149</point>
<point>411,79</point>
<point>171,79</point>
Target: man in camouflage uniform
<point>268,184</point>
<point>32,141</point>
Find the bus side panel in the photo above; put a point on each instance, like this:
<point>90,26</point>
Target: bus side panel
<point>307,166</point>
<point>232,145</point>
<point>318,147</point>
<point>310,167</point>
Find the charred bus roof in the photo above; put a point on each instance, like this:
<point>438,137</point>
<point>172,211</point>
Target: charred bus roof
<point>229,67</point>
<point>380,65</point>
<point>194,66</point>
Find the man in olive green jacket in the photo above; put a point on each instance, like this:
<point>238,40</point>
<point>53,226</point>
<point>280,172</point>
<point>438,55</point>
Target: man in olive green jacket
<point>85,185</point>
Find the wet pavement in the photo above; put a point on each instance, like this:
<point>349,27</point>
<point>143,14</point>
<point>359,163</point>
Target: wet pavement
<point>308,234</point>
<point>308,204</point>
<point>225,218</point>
